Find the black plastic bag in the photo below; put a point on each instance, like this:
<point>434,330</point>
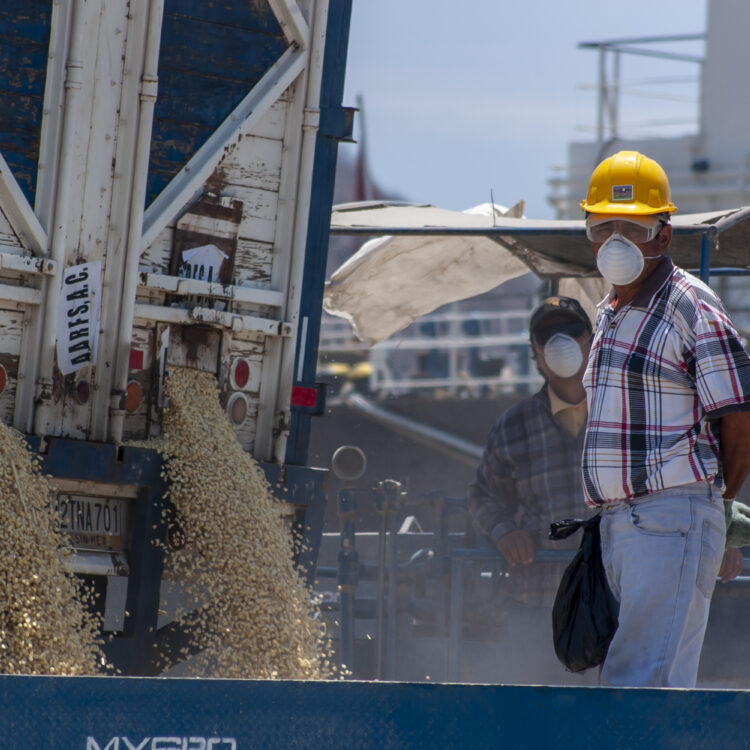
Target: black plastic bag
<point>584,615</point>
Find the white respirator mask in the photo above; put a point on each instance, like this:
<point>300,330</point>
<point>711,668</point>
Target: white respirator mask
<point>563,355</point>
<point>620,261</point>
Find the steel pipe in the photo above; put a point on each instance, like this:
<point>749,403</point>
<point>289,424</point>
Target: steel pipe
<point>432,436</point>
<point>149,87</point>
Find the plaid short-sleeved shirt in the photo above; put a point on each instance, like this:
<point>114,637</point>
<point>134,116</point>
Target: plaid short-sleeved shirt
<point>660,372</point>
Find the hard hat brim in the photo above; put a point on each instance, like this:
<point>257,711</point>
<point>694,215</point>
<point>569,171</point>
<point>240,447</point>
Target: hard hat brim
<point>624,209</point>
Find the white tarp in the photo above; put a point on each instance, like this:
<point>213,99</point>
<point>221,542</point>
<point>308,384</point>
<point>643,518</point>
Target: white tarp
<point>78,316</point>
<point>391,281</point>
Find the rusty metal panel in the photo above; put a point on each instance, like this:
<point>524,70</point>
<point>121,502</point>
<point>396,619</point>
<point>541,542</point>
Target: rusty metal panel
<point>158,254</point>
<point>7,235</point>
<point>211,55</point>
<point>11,328</point>
<point>142,371</point>
<point>194,346</point>
<point>252,170</point>
<point>253,161</point>
<point>259,216</point>
<point>254,262</point>
<point>211,222</point>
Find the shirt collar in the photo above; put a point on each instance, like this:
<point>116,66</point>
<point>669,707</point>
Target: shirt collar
<point>556,404</point>
<point>653,284</point>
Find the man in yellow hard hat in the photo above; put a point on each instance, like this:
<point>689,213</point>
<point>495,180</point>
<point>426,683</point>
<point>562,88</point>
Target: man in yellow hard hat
<point>668,394</point>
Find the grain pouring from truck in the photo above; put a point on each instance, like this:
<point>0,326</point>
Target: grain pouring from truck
<point>166,206</point>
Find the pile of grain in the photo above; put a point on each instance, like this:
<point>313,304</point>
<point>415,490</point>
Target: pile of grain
<point>259,620</point>
<point>45,628</point>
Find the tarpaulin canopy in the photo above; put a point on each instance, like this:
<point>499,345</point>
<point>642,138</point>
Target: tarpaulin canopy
<point>424,257</point>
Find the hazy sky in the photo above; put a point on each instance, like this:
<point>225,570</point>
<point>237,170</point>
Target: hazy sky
<point>464,97</point>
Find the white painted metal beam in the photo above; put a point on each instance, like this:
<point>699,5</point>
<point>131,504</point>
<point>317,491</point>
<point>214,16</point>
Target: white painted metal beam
<point>20,214</point>
<point>237,323</point>
<point>52,112</point>
<point>189,180</point>
<point>113,391</point>
<point>61,215</point>
<point>44,201</point>
<point>183,287</point>
<point>24,264</point>
<point>292,22</point>
<point>26,295</point>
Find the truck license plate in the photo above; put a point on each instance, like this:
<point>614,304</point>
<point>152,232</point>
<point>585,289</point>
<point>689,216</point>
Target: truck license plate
<point>93,522</point>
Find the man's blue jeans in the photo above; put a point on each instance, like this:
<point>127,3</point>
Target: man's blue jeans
<point>661,553</point>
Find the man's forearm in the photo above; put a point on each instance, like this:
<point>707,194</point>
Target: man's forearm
<point>487,513</point>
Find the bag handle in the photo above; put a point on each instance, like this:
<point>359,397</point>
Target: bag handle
<point>563,529</point>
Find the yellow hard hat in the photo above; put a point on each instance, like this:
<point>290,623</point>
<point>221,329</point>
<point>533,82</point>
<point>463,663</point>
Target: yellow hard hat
<point>628,183</point>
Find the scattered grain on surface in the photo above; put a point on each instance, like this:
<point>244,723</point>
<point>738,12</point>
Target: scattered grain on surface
<point>45,627</point>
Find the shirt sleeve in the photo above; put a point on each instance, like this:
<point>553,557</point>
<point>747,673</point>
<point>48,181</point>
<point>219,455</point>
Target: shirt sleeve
<point>722,366</point>
<point>492,498</point>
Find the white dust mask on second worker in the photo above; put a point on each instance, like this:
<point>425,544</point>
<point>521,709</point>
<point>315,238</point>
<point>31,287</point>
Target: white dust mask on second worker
<point>563,355</point>
<point>619,260</point>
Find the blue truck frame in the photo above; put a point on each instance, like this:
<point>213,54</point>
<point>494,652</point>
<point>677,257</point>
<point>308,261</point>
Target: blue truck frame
<point>85,713</point>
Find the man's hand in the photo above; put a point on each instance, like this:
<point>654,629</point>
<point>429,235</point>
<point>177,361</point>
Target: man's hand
<point>517,547</point>
<point>731,564</point>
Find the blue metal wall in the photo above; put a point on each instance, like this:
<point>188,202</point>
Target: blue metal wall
<point>175,714</point>
<point>212,54</point>
<point>24,40</point>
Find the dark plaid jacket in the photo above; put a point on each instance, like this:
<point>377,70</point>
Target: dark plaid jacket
<point>529,476</point>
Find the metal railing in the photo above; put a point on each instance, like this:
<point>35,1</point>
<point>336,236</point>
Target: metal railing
<point>610,87</point>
